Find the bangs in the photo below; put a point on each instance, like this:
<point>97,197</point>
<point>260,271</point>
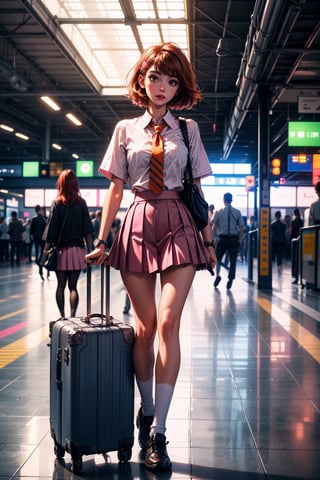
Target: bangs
<point>165,59</point>
<point>166,64</point>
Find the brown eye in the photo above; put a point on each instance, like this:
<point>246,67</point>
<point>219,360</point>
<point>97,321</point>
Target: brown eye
<point>153,78</point>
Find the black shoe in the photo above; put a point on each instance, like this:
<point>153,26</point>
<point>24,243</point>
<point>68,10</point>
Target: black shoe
<point>217,281</point>
<point>229,284</point>
<point>143,424</point>
<point>157,456</point>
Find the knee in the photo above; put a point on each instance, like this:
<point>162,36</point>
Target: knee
<point>145,336</point>
<point>168,327</point>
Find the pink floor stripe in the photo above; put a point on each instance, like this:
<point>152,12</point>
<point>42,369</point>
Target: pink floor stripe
<point>15,328</point>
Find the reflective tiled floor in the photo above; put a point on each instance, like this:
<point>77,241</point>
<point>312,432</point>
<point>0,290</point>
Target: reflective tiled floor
<point>246,405</point>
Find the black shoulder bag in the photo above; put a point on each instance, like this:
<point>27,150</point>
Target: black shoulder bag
<point>50,259</point>
<point>190,195</point>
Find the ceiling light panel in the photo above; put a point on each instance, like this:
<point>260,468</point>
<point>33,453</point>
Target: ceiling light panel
<point>74,119</point>
<point>51,103</point>
<point>22,136</point>
<point>6,127</point>
<point>109,42</point>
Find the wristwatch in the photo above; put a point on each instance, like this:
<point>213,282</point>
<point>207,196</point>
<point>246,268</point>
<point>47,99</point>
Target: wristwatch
<point>99,242</point>
<point>210,244</point>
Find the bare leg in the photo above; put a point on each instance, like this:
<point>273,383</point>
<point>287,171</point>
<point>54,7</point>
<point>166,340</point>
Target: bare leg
<point>175,286</point>
<point>141,289</point>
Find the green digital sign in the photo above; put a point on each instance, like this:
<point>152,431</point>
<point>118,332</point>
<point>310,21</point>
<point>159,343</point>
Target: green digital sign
<point>304,134</point>
<point>84,168</point>
<point>30,169</point>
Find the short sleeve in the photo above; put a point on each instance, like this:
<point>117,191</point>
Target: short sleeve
<point>114,161</point>
<point>198,156</point>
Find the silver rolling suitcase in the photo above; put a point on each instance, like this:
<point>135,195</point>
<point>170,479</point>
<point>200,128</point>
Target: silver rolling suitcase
<point>92,383</point>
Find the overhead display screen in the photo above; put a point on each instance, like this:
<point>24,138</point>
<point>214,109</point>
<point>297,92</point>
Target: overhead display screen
<point>33,197</point>
<point>90,196</point>
<point>85,168</point>
<point>10,171</point>
<point>304,134</point>
<point>299,162</point>
<point>30,169</point>
<point>305,196</point>
<point>283,196</point>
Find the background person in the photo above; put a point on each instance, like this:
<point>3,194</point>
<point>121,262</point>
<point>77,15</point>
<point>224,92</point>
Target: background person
<point>278,239</point>
<point>27,242</point>
<point>96,223</point>
<point>68,225</point>
<point>38,224</point>
<point>210,214</point>
<point>4,240</point>
<point>287,246</point>
<point>296,224</point>
<point>314,214</point>
<point>228,226</point>
<point>157,235</point>
<point>15,231</point>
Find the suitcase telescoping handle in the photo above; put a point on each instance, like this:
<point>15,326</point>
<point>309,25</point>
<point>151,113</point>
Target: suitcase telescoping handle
<point>104,293</point>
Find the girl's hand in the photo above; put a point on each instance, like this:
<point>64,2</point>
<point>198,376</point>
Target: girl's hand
<point>212,259</point>
<point>98,256</point>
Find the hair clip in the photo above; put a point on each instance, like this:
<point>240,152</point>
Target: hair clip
<point>144,66</point>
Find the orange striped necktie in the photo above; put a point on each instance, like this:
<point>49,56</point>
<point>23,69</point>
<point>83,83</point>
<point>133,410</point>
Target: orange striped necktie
<point>156,182</point>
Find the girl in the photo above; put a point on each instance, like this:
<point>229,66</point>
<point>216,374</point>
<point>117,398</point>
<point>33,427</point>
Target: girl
<point>68,225</point>
<point>158,234</point>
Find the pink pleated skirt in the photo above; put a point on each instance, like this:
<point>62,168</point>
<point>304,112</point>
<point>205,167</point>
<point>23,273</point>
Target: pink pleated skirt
<point>71,258</point>
<point>157,232</point>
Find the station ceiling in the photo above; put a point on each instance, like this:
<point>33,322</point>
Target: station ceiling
<point>239,48</point>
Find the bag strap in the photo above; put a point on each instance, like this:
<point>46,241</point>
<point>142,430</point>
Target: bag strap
<point>184,131</point>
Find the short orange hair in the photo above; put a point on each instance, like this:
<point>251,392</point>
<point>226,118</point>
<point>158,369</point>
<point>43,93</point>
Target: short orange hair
<point>167,59</point>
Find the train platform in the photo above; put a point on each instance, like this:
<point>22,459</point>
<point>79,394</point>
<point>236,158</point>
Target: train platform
<point>247,400</point>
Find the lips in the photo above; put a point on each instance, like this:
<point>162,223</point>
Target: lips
<point>160,97</point>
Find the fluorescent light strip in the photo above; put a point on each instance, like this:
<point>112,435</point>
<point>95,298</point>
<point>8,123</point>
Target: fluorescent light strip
<point>73,119</point>
<point>21,135</point>
<point>50,103</point>
<point>56,146</point>
<point>6,128</point>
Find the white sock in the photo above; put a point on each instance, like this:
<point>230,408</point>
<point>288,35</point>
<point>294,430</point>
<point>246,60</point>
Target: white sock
<point>163,398</point>
<point>146,394</point>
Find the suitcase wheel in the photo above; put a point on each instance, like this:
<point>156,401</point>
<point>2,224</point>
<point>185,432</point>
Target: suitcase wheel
<point>124,454</point>
<point>76,464</point>
<point>59,451</point>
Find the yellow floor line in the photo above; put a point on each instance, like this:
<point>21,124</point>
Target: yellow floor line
<point>14,350</point>
<point>306,339</point>
<point>12,314</point>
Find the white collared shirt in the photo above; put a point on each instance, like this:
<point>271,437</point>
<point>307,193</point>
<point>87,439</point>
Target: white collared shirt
<point>128,154</point>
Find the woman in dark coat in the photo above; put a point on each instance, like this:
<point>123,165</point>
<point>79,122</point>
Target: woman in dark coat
<point>68,225</point>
